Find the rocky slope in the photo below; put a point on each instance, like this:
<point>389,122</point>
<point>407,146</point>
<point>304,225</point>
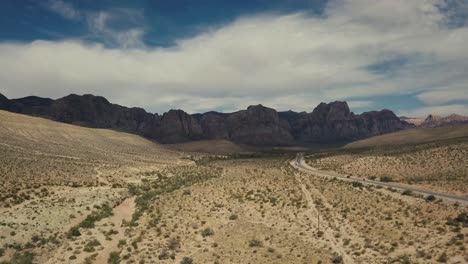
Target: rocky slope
<point>257,125</point>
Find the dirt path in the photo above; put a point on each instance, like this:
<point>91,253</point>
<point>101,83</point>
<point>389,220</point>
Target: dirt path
<point>328,232</point>
<point>121,212</point>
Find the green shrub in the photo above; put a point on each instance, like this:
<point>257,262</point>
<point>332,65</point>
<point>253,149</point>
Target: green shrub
<point>24,258</point>
<point>357,184</point>
<point>186,260</point>
<point>89,247</point>
<point>255,243</point>
<point>114,258</point>
<point>407,192</point>
<point>207,232</point>
<point>386,179</point>
<point>233,217</point>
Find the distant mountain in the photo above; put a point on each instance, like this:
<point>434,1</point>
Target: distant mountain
<point>412,120</point>
<point>443,121</point>
<point>257,125</point>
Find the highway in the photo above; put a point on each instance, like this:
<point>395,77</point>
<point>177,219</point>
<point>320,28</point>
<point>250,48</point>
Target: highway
<point>301,165</point>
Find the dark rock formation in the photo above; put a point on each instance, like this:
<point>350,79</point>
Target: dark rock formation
<point>257,125</point>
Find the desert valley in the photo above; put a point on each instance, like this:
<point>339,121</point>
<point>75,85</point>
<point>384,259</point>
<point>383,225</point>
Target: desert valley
<point>75,194</point>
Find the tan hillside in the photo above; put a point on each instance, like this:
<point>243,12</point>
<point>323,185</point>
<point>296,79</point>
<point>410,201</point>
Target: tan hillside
<point>37,150</point>
<point>411,136</point>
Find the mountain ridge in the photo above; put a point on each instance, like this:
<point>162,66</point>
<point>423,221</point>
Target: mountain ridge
<point>256,125</point>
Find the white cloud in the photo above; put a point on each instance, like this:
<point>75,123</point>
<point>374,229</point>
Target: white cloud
<point>64,9</point>
<point>444,95</point>
<point>284,61</point>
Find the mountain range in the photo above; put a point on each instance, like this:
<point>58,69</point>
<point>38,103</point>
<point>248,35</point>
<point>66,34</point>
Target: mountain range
<point>257,125</point>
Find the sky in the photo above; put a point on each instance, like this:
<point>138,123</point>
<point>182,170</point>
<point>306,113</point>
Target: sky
<point>410,56</point>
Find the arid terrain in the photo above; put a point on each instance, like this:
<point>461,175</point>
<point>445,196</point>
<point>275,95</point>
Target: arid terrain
<point>80,195</point>
<point>437,159</point>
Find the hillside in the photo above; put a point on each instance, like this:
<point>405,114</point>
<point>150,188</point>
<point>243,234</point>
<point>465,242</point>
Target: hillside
<point>55,153</point>
<point>411,137</point>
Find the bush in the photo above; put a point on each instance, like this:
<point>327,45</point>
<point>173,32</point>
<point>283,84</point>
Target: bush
<point>461,219</point>
<point>74,231</point>
<point>207,232</point>
<point>233,217</point>
<point>114,258</point>
<point>443,258</point>
<point>89,247</point>
<point>25,258</point>
<point>407,192</point>
<point>337,259</point>
<point>357,184</point>
<point>430,198</point>
<point>255,243</point>
<point>173,244</point>
<point>186,260</point>
<point>386,179</point>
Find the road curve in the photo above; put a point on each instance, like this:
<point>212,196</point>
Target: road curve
<point>301,165</point>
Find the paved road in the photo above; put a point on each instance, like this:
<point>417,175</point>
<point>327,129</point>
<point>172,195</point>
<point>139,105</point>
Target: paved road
<point>301,165</point>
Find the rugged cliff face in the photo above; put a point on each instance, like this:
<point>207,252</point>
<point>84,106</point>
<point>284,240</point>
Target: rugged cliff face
<point>257,125</point>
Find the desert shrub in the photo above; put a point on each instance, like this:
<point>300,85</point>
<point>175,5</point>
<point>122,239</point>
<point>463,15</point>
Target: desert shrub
<point>255,243</point>
<point>337,259</point>
<point>461,219</point>
<point>173,244</point>
<point>233,217</point>
<point>372,178</point>
<point>386,179</point>
<point>186,260</point>
<point>357,184</point>
<point>407,192</point>
<point>122,242</point>
<point>164,255</point>
<point>430,198</point>
<point>114,258</point>
<point>74,232</point>
<point>72,257</point>
<point>88,222</point>
<point>2,252</point>
<point>443,258</point>
<point>207,232</point>
<point>89,247</point>
<point>22,258</point>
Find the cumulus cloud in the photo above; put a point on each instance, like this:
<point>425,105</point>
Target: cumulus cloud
<point>288,61</point>
<point>64,9</point>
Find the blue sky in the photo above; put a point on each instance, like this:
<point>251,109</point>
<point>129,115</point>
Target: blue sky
<point>408,56</point>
